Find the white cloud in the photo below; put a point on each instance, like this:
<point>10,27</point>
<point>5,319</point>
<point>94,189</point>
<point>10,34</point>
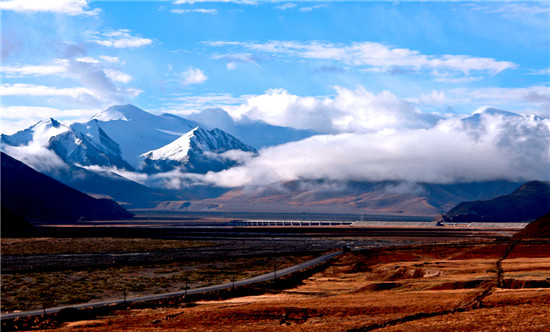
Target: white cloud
<point>244,2</point>
<point>232,60</point>
<point>193,76</point>
<point>197,10</point>
<point>82,95</point>
<point>68,7</point>
<point>97,78</point>
<point>108,58</point>
<point>311,8</point>
<point>185,104</point>
<point>513,9</point>
<point>15,118</point>
<point>378,56</point>
<point>20,89</point>
<point>349,111</point>
<point>119,39</point>
<point>536,98</point>
<point>432,98</point>
<point>544,71</point>
<point>495,147</point>
<point>57,67</point>
<point>286,6</point>
<point>36,156</point>
<point>100,80</point>
<point>87,59</point>
<point>117,76</point>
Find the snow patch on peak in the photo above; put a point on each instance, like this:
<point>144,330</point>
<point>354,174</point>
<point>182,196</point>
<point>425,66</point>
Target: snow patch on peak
<point>44,130</point>
<point>109,116</point>
<point>122,113</point>
<point>177,150</point>
<point>494,111</point>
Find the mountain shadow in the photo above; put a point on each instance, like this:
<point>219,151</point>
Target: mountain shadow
<point>528,202</point>
<point>38,198</point>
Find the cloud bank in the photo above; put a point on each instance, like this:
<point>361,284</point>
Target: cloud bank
<point>489,145</point>
<point>482,148</point>
<point>380,57</point>
<point>351,110</point>
<point>119,39</point>
<point>98,78</point>
<point>68,7</point>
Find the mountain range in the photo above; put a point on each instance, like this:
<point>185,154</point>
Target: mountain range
<point>91,156</point>
<point>353,197</point>
<point>142,160</point>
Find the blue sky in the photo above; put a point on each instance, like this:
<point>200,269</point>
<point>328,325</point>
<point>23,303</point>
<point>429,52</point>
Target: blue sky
<point>269,59</point>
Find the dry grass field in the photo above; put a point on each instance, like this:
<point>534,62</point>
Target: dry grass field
<point>49,272</point>
<point>430,288</point>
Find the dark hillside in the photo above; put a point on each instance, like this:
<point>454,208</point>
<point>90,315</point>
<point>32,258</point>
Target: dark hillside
<point>539,228</point>
<point>528,202</point>
<point>39,198</point>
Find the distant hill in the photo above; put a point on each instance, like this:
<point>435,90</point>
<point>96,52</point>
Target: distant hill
<point>539,228</point>
<point>38,198</point>
<point>354,197</point>
<point>528,202</point>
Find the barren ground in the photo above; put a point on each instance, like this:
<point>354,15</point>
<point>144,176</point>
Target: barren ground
<point>431,288</point>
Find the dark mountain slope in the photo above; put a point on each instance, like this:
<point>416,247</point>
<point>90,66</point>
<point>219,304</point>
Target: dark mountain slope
<point>39,198</point>
<point>14,225</point>
<point>539,228</point>
<point>528,202</point>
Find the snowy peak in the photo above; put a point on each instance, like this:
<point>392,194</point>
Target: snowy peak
<point>96,134</point>
<point>134,130</point>
<point>495,111</point>
<point>70,145</point>
<point>122,112</point>
<point>40,133</point>
<point>176,151</point>
<point>196,151</point>
<point>254,132</point>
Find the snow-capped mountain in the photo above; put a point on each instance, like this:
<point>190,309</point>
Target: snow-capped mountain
<point>73,147</point>
<point>256,133</point>
<point>128,138</point>
<point>135,130</point>
<point>116,138</point>
<point>196,151</point>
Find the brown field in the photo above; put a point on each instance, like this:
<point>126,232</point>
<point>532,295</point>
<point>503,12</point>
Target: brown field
<point>37,246</point>
<point>49,272</point>
<point>434,288</point>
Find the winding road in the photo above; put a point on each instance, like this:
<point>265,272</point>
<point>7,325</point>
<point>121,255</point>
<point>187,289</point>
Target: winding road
<point>206,289</point>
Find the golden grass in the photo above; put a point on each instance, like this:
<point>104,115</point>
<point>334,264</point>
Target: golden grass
<point>347,296</point>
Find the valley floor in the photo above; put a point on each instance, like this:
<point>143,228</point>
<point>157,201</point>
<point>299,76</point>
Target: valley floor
<point>485,287</point>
